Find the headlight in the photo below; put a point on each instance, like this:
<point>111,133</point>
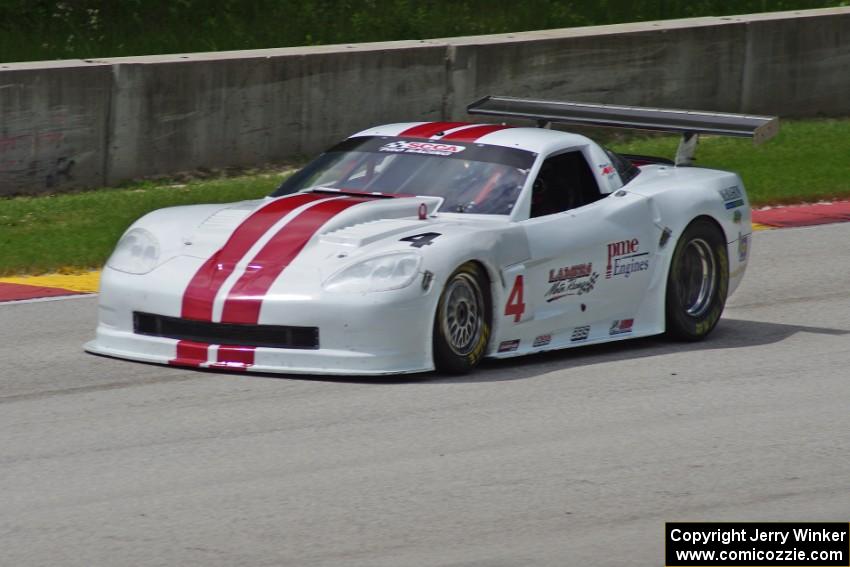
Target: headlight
<point>384,273</point>
<point>136,253</point>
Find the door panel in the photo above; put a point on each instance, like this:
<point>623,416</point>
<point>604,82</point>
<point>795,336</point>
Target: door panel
<point>589,266</point>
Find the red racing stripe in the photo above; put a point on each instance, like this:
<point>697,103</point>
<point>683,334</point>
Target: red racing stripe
<point>430,129</point>
<point>190,353</point>
<point>472,134</point>
<point>245,299</point>
<point>202,289</point>
<point>234,357</point>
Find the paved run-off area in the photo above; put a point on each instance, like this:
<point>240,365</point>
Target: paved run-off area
<point>569,458</point>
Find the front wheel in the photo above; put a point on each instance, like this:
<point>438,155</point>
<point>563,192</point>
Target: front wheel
<point>462,324</point>
<point>698,282</point>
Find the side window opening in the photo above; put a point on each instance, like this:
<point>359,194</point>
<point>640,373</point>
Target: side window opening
<point>565,182</point>
<point>624,167</point>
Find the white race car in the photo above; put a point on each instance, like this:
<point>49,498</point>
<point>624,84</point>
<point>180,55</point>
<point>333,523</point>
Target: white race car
<point>421,246</point>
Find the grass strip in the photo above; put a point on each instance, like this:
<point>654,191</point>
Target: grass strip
<point>808,161</point>
<point>88,29</point>
<point>77,231</point>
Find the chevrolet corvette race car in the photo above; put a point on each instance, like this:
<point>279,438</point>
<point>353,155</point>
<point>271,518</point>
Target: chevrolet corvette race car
<point>420,246</point>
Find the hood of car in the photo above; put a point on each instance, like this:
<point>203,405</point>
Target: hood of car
<point>253,248</point>
<point>287,224</point>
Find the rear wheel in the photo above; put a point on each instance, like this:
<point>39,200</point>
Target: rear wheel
<point>698,282</point>
<point>462,324</point>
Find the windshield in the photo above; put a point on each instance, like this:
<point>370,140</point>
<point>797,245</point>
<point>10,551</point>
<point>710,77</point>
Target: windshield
<point>472,178</point>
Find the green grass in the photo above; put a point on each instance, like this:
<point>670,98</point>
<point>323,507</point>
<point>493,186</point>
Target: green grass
<point>51,29</point>
<point>79,230</point>
<point>807,161</point>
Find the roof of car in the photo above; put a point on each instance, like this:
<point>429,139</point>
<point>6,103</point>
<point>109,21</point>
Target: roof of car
<point>537,140</point>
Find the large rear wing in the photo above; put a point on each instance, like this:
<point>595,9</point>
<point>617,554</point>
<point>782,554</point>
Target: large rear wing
<point>687,122</point>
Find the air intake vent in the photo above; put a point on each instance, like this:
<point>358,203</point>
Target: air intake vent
<point>272,336</point>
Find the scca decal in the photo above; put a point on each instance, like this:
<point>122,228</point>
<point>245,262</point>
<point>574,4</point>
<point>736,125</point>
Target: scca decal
<point>427,148</point>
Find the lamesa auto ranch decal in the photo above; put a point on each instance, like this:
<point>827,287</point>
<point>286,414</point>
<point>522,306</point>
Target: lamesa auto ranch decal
<point>625,258</point>
<point>571,280</point>
<point>427,148</point>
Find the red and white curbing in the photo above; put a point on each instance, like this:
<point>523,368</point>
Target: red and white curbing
<point>802,215</point>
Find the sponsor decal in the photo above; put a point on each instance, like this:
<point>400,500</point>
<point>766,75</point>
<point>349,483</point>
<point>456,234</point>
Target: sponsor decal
<point>743,247</point>
<point>737,216</point>
<point>578,286</point>
<point>427,148</point>
<point>542,340</point>
<point>606,169</point>
<point>571,280</point>
<point>508,346</point>
<point>580,333</point>
<point>625,258</point>
<point>570,272</point>
<point>732,197</point>
<point>621,327</point>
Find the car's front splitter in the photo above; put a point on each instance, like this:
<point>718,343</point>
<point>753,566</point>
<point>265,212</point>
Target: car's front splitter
<point>130,346</point>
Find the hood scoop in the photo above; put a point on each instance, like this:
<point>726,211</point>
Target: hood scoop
<point>368,232</point>
<point>211,233</point>
<point>229,218</point>
<point>368,222</point>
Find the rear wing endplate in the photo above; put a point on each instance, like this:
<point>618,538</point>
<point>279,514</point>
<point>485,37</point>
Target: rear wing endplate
<point>687,122</point>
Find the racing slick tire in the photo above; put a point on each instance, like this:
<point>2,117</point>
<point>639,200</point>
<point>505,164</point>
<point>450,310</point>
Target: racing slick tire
<point>463,321</point>
<point>698,282</point>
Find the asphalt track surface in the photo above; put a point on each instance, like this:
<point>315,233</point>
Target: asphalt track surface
<point>569,458</point>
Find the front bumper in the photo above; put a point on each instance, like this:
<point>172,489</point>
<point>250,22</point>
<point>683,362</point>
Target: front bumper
<point>359,334</point>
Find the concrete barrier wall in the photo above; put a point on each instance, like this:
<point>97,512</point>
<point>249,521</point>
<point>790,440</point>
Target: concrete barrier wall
<point>91,123</point>
<point>216,110</point>
<point>53,126</point>
<point>698,66</point>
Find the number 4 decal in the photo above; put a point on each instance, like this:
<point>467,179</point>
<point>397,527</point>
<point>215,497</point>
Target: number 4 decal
<point>515,305</point>
<point>420,240</point>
